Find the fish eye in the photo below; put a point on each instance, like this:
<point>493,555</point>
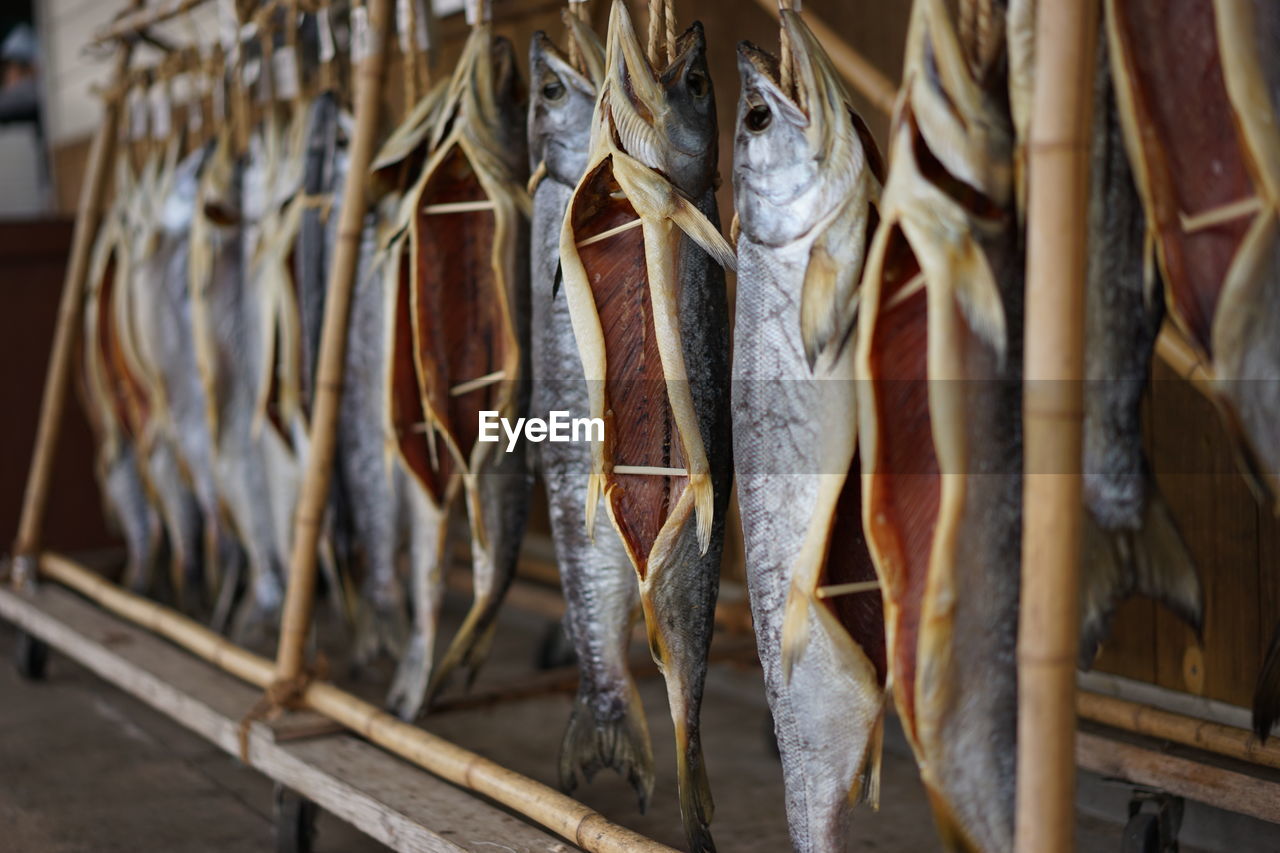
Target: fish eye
<point>698,84</point>
<point>553,90</point>
<point>758,119</point>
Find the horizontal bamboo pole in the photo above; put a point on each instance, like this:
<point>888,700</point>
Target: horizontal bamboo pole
<point>1157,723</point>
<point>543,805</point>
<point>131,24</point>
<point>866,78</point>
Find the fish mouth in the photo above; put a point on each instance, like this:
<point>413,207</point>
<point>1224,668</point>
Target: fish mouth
<point>546,52</point>
<point>762,61</point>
<point>629,69</point>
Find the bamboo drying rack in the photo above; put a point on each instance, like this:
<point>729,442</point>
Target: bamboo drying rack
<point>1049,701</point>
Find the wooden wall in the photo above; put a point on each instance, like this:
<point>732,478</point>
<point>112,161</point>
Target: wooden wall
<point>33,257</point>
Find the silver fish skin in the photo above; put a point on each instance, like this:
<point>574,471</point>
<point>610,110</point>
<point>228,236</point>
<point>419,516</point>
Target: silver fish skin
<point>1132,543</point>
<point>799,160</point>
<point>607,727</point>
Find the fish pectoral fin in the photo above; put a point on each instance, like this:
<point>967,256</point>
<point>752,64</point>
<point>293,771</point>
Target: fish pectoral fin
<point>829,295</point>
<point>978,295</point>
<point>654,198</point>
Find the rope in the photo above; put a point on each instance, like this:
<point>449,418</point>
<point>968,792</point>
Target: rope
<point>786,59</point>
<point>657,12</point>
<point>280,696</point>
<point>669,14</point>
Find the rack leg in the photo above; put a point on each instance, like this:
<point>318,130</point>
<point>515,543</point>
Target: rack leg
<point>295,821</point>
<point>1155,818</point>
<point>30,657</point>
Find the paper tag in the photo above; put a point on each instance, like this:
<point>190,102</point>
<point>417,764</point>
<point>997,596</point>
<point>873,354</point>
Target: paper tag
<point>421,29</point>
<point>137,115</point>
<point>359,35</point>
<point>327,48</point>
<point>402,24</point>
<point>284,72</point>
<point>228,27</point>
<point>161,112</point>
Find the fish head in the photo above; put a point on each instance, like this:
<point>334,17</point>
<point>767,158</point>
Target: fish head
<point>507,95</point>
<point>665,120</point>
<point>798,150</point>
<point>561,101</point>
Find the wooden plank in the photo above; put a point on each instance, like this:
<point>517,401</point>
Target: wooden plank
<point>1207,783</point>
<point>390,800</point>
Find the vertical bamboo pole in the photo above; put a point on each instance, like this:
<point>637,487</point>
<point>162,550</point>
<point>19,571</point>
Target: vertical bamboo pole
<point>312,500</point>
<point>1056,249</point>
<point>35,498</point>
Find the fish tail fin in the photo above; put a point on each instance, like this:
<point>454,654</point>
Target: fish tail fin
<point>696,806</point>
<point>472,633</point>
<point>1266,693</point>
<point>867,787</point>
<point>795,629</point>
<point>1153,561</point>
<point>622,744</point>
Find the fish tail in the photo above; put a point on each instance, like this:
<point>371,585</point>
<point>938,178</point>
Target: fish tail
<point>696,806</point>
<point>473,631</point>
<point>867,787</point>
<point>620,743</point>
<point>1153,561</point>
<point>795,629</point>
<point>1266,693</point>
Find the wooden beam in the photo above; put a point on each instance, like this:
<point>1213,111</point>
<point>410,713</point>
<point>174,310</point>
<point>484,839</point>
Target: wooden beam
<point>1231,790</point>
<point>541,804</point>
<point>383,797</point>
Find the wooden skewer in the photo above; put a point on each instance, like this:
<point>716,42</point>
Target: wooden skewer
<point>132,24</point>
<point>35,498</point>
<point>1184,360</point>
<point>838,589</point>
<point>458,207</point>
<point>313,497</point>
<point>476,384</point>
<point>908,290</point>
<point>1049,615</point>
<point>612,232</point>
<point>1192,223</point>
<point>650,471</point>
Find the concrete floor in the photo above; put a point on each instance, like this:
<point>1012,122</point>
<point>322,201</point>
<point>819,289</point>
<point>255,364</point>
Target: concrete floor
<point>83,767</point>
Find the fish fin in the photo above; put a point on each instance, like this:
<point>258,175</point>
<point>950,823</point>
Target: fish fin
<point>1153,561</point>
<point>704,499</point>
<point>469,636</point>
<point>867,787</point>
<point>654,198</point>
<point>1266,693</point>
<point>557,282</point>
<point>979,296</point>
<point>593,502</point>
<point>696,805</point>
<point>692,222</point>
<point>735,230</point>
<point>591,744</point>
<point>795,629</point>
<point>829,295</point>
<point>536,178</point>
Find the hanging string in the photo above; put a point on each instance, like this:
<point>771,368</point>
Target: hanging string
<point>406,22</point>
<point>657,17</point>
<point>669,16</point>
<point>578,9</point>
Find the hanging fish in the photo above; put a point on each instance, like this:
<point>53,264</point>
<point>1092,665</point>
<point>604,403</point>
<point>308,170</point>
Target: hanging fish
<point>1196,84</point>
<point>939,343</point>
<point>1132,543</point>
<point>607,727</point>
<point>806,180</point>
<point>641,253</point>
<point>466,221</point>
<point>115,397</point>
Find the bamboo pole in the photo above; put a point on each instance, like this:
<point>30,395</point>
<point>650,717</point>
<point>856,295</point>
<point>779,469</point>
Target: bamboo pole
<point>1154,722</point>
<point>313,498</point>
<point>542,805</point>
<point>1052,404</point>
<point>868,80</point>
<point>35,498</point>
<point>131,24</point>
